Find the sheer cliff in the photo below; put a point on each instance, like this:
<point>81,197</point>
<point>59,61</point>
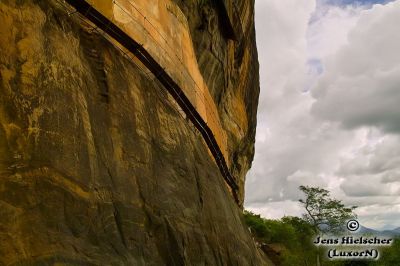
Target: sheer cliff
<point>98,166</point>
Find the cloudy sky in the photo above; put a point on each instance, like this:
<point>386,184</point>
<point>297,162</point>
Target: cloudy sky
<point>329,111</point>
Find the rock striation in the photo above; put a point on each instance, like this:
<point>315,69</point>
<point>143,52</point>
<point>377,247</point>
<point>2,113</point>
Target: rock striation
<point>97,165</point>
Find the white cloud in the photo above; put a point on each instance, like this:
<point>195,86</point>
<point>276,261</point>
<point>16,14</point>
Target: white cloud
<point>282,45</point>
<point>345,135</point>
<point>289,140</point>
<point>329,29</point>
<point>361,82</point>
<point>380,216</point>
<point>378,155</point>
<point>277,209</point>
<point>369,186</point>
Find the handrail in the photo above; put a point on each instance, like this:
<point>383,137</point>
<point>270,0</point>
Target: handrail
<point>106,25</point>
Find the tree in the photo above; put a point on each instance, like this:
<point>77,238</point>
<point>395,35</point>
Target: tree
<point>326,215</point>
<point>286,241</point>
<point>390,255</point>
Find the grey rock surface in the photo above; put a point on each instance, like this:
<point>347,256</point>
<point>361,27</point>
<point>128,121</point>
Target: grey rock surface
<point>97,167</point>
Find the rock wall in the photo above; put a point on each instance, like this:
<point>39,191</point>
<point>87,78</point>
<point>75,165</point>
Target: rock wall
<point>97,167</point>
<point>230,69</point>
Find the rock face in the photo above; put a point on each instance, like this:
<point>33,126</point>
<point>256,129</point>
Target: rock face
<point>230,69</point>
<point>97,167</point>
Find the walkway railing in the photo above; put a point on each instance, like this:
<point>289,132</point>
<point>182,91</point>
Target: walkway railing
<point>126,24</point>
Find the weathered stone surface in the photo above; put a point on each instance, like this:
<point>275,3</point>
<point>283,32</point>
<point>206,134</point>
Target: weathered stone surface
<point>230,69</point>
<point>96,165</point>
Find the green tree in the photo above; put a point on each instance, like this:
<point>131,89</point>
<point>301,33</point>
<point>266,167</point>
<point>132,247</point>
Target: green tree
<point>257,226</point>
<point>326,215</point>
<point>294,234</point>
<point>390,255</point>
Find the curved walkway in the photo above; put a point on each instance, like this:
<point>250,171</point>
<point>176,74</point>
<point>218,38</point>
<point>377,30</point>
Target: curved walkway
<point>122,21</point>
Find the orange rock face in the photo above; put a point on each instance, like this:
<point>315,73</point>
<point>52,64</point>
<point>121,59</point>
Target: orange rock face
<point>98,166</point>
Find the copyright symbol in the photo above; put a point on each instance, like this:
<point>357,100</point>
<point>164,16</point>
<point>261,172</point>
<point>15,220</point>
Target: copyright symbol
<point>353,225</point>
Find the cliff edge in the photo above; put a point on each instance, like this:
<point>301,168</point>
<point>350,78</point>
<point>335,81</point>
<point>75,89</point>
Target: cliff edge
<point>98,166</point>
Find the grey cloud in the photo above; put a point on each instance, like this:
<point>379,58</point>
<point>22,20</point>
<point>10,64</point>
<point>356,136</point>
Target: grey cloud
<point>380,216</point>
<point>319,139</point>
<point>361,82</point>
<point>368,186</point>
<point>391,176</point>
<point>373,158</point>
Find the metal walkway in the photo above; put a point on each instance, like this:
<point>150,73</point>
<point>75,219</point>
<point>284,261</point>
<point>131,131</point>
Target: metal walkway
<point>119,35</point>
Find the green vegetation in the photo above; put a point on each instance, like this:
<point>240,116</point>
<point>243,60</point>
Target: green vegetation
<point>295,235</point>
<point>390,256</point>
<point>289,241</point>
<point>326,215</point>
<point>292,233</point>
